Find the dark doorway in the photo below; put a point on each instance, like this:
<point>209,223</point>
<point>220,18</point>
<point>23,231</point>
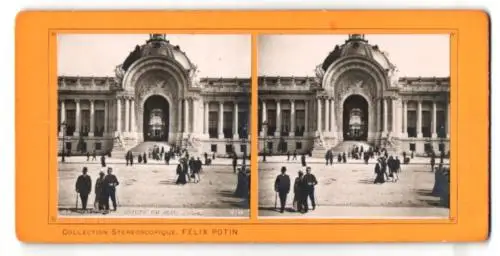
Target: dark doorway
<point>156,119</point>
<point>355,118</point>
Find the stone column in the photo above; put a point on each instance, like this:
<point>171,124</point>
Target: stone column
<point>264,118</point>
<point>384,101</point>
<point>127,115</point>
<point>221,120</point>
<point>236,135</point>
<point>132,115</point>
<point>405,119</point>
<point>448,121</point>
<point>332,116</point>
<point>118,115</point>
<point>433,122</point>
<point>277,133</point>
<point>292,118</point>
<point>92,118</point>
<point>106,116</point>
<point>186,115</point>
<point>419,119</point>
<point>78,118</point>
<point>205,117</point>
<point>194,124</point>
<point>306,118</point>
<point>179,116</point>
<point>318,122</point>
<point>63,118</point>
<point>379,116</point>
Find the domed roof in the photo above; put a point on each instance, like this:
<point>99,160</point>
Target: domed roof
<point>157,45</point>
<point>356,44</point>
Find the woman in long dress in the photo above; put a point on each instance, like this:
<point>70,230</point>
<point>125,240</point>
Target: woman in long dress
<point>380,174</point>
<point>181,172</point>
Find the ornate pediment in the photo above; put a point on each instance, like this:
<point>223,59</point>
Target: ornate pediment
<point>156,83</point>
<point>355,82</point>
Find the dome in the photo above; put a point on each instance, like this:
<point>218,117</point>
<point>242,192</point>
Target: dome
<point>157,45</point>
<point>357,45</point>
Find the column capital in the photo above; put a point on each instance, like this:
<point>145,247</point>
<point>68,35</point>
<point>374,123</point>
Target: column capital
<point>77,100</point>
<point>91,101</point>
<point>292,101</point>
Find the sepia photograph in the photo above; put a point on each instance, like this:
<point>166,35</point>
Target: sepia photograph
<point>354,126</point>
<point>153,125</point>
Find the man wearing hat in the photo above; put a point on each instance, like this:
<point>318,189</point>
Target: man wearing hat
<point>83,187</point>
<point>110,183</point>
<point>309,182</point>
<point>282,187</point>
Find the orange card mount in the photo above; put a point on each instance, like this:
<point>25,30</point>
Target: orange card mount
<point>252,126</point>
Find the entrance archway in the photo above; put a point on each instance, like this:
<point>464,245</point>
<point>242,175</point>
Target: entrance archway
<point>355,118</point>
<point>156,119</point>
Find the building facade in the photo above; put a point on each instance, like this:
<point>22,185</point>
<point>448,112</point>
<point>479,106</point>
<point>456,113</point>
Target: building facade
<point>356,95</point>
<point>155,96</point>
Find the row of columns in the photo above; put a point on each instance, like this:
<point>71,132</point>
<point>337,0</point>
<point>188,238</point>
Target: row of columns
<point>292,117</point>
<point>329,109</point>
<point>78,116</point>
<point>129,115</point>
<point>220,124</point>
<point>397,123</point>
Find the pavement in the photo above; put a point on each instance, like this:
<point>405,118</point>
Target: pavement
<point>347,190</point>
<point>150,190</point>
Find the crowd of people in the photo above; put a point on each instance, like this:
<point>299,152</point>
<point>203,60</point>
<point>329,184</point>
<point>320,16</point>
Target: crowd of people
<point>387,168</point>
<point>188,170</point>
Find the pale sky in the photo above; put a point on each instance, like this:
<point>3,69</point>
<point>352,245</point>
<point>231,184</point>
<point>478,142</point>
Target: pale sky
<point>99,54</point>
<point>298,55</point>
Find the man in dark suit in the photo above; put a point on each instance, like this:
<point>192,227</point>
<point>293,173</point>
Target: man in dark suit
<point>309,182</point>
<point>282,187</point>
<point>110,183</point>
<point>83,187</point>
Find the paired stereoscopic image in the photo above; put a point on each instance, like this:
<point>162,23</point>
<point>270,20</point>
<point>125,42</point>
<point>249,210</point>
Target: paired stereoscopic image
<point>349,126</point>
<point>154,125</point>
<point>354,126</point>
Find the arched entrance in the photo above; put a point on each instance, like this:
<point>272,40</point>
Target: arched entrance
<point>355,118</point>
<point>156,119</point>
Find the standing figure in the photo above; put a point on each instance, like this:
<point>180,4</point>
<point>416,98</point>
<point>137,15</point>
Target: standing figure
<point>206,157</point>
<point>339,158</point>
<point>235,162</point>
<point>145,158</point>
<point>331,157</point>
<point>103,161</point>
<point>99,192</point>
<point>131,158</point>
<point>88,156</point>
<point>380,174</point>
<point>288,155</point>
<point>94,155</point>
<point>310,181</point>
<point>297,193</point>
<point>83,187</point>
<point>433,162</point>
<point>344,159</point>
<point>282,187</point>
<point>327,156</point>
<point>110,183</point>
<point>213,155</point>
<point>198,166</point>
<point>303,160</point>
<point>294,155</point>
<point>127,158</point>
<point>139,158</point>
<point>167,158</point>
<point>181,172</point>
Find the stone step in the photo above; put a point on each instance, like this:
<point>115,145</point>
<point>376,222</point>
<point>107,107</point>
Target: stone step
<point>346,146</point>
